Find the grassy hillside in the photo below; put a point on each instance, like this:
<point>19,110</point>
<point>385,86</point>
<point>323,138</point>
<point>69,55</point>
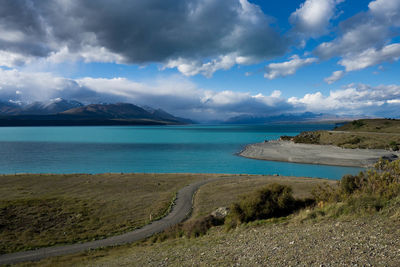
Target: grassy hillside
<point>354,223</point>
<point>43,210</point>
<point>372,125</point>
<point>371,134</point>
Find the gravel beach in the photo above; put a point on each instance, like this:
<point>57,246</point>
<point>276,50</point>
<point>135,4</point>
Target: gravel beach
<point>315,154</point>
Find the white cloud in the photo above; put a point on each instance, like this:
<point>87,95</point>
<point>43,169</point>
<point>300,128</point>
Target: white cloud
<point>353,99</point>
<point>336,75</point>
<point>175,94</point>
<point>386,10</point>
<point>11,59</point>
<point>275,70</point>
<point>313,16</point>
<point>194,67</point>
<point>29,86</point>
<point>371,57</point>
<point>87,54</point>
<point>180,96</point>
<point>363,39</point>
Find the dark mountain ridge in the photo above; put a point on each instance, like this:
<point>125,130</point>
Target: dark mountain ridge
<point>68,113</point>
<point>285,118</point>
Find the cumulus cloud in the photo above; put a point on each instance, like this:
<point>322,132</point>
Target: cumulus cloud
<point>178,95</point>
<point>275,70</point>
<point>313,16</point>
<point>175,94</point>
<point>194,36</point>
<point>336,75</point>
<point>371,57</point>
<point>357,99</point>
<point>386,10</point>
<point>363,39</point>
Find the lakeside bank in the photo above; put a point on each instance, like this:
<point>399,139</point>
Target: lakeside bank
<point>288,151</point>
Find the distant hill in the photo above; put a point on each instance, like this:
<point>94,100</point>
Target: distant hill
<point>288,118</point>
<point>8,108</point>
<point>63,112</point>
<point>159,113</point>
<point>110,111</point>
<point>52,107</point>
<point>372,125</point>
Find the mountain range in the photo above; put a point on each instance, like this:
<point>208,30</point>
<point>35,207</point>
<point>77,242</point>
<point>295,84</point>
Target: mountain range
<point>288,118</point>
<point>69,112</point>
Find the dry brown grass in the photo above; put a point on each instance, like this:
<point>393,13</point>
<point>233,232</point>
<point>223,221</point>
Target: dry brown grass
<point>372,125</point>
<point>43,210</point>
<point>223,193</point>
<point>368,133</point>
<point>208,198</point>
<point>359,139</point>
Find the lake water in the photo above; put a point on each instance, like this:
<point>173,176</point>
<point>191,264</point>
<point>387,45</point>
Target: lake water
<point>157,149</point>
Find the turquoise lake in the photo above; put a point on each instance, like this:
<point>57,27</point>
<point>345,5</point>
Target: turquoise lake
<point>151,149</point>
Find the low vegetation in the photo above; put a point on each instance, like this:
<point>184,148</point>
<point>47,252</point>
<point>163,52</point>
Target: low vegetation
<point>372,125</point>
<point>358,220</point>
<point>365,134</point>
<point>44,210</point>
<point>272,201</point>
<point>353,196</point>
<point>362,194</point>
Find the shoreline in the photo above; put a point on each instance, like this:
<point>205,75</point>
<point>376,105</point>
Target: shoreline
<point>287,151</point>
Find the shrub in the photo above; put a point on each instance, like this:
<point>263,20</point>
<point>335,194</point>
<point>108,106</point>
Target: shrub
<point>199,227</point>
<point>393,146</point>
<point>286,138</point>
<point>190,228</point>
<point>274,200</point>
<point>351,183</point>
<point>308,138</point>
<point>358,123</point>
<point>366,192</point>
<point>325,193</point>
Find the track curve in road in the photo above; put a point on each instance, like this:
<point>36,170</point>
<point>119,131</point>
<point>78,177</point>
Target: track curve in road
<point>180,211</point>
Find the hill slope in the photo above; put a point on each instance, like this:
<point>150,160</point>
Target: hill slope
<point>366,133</point>
<point>95,114</point>
<point>372,125</point>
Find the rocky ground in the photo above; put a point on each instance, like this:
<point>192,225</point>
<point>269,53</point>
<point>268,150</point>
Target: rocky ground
<point>371,241</point>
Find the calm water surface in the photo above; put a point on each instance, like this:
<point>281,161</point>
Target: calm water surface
<point>158,149</point>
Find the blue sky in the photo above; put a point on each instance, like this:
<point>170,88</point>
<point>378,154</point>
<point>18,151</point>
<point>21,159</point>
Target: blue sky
<point>206,59</point>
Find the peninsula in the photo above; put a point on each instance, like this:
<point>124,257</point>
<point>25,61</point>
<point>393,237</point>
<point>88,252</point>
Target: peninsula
<point>359,143</point>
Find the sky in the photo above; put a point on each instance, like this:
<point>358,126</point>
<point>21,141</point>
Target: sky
<point>205,59</point>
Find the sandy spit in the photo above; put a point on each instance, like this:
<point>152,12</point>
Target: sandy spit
<point>315,154</point>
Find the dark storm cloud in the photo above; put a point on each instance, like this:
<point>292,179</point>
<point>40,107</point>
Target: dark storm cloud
<point>22,29</point>
<point>141,31</point>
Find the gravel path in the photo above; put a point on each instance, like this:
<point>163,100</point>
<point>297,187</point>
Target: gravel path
<point>315,154</point>
<point>180,211</point>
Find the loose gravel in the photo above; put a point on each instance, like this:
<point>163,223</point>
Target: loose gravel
<point>371,241</point>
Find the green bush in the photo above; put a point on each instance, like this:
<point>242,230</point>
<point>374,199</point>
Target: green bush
<point>358,123</point>
<point>366,192</point>
<point>274,200</point>
<point>286,138</point>
<point>351,183</point>
<point>308,138</point>
<point>393,146</point>
<point>325,193</point>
